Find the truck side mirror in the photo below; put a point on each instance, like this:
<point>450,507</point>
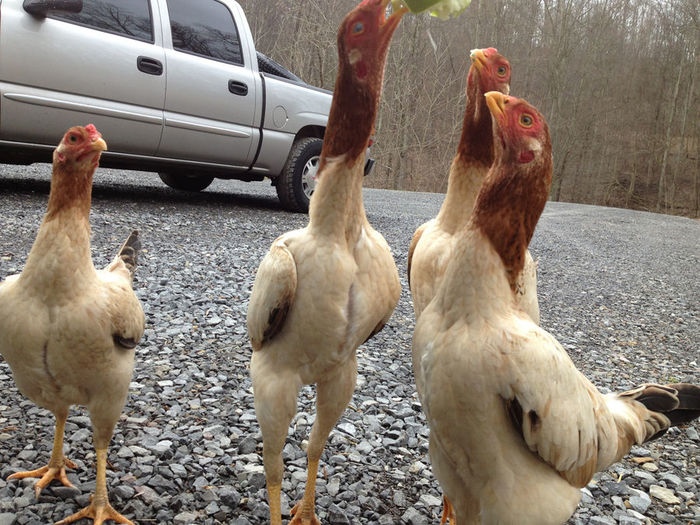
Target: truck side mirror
<point>41,8</point>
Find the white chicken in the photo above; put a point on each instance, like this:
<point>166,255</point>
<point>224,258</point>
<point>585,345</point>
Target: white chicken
<point>323,290</point>
<point>68,330</point>
<point>516,429</point>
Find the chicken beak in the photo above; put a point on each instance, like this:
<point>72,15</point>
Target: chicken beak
<point>496,101</point>
<point>99,145</point>
<point>478,58</point>
<point>389,25</point>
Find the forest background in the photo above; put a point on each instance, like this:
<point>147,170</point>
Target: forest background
<point>616,80</point>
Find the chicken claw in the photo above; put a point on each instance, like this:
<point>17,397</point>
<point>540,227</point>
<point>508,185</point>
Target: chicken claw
<point>98,512</point>
<point>298,519</point>
<point>47,475</point>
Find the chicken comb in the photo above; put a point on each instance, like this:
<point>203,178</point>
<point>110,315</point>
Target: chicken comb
<point>92,132</point>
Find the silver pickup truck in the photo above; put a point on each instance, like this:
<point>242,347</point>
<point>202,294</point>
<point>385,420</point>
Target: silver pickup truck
<point>175,86</point>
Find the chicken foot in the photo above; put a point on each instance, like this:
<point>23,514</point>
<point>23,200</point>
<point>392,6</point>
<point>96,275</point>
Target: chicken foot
<point>99,509</point>
<point>56,469</point>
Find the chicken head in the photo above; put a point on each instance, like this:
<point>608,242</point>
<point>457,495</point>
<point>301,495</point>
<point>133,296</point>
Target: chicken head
<point>363,43</point>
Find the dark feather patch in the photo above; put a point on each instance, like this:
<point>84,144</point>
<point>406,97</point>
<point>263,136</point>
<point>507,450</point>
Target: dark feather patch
<point>276,320</point>
<point>515,411</point>
<point>124,342</point>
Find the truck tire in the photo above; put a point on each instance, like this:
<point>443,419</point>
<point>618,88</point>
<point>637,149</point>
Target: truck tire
<point>296,183</point>
<point>184,182</point>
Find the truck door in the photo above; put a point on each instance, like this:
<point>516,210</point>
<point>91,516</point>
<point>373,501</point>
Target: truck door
<point>103,65</point>
<point>210,97</point>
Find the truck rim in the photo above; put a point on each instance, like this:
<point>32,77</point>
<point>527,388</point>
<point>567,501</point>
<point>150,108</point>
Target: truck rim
<point>308,175</point>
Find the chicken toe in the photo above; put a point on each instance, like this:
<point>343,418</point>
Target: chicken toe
<point>302,517</point>
<point>99,512</point>
<point>99,509</point>
<point>46,474</point>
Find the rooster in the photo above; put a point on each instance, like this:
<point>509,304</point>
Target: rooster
<point>322,291</point>
<point>67,330</point>
<point>516,429</point>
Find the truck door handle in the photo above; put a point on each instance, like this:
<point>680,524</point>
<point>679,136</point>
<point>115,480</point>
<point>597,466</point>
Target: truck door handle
<point>238,88</point>
<point>149,65</point>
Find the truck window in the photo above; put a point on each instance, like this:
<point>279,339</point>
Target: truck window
<point>130,18</point>
<point>205,28</point>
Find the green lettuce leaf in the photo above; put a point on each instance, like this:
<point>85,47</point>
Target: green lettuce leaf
<point>440,8</point>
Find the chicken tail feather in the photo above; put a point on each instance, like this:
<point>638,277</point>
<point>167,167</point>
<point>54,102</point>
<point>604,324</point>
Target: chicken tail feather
<point>688,404</point>
<point>650,410</point>
<point>130,250</point>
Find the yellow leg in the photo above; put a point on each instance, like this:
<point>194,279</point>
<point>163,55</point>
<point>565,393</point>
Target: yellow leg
<point>273,497</point>
<point>56,469</point>
<point>448,513</point>
<point>304,511</point>
<point>99,509</point>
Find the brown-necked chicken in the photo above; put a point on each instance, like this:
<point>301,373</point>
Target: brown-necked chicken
<point>432,242</point>
<point>67,330</point>
<point>322,291</point>
<point>431,245</point>
<point>516,429</point>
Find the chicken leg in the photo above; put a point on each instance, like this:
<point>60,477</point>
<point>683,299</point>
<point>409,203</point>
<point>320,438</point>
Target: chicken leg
<point>332,397</point>
<point>56,469</point>
<point>275,406</point>
<point>448,513</point>
<point>99,509</point>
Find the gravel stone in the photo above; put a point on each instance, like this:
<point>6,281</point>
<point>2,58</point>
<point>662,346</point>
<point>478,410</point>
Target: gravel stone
<point>664,494</point>
<point>7,518</point>
<point>618,289</point>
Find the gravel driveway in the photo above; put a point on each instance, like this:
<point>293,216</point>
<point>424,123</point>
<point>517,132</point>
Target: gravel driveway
<point>619,289</point>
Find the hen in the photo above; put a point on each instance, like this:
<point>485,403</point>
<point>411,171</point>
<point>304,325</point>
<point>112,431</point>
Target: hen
<point>68,330</point>
<point>432,242</point>
<point>322,291</point>
<point>516,429</point>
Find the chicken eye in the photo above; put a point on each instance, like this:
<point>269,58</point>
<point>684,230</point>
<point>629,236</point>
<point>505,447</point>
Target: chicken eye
<point>73,138</point>
<point>526,120</point>
<point>358,28</point>
<point>501,71</point>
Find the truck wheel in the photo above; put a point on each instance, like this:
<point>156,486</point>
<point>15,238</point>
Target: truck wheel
<point>297,182</point>
<point>183,182</point>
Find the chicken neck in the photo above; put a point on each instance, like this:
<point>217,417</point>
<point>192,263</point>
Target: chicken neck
<point>475,154</point>
<point>60,257</point>
<point>336,207</point>
<point>508,207</point>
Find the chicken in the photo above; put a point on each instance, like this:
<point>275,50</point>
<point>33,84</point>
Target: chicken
<point>322,291</point>
<point>516,429</point>
<point>431,245</point>
<point>67,330</point>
